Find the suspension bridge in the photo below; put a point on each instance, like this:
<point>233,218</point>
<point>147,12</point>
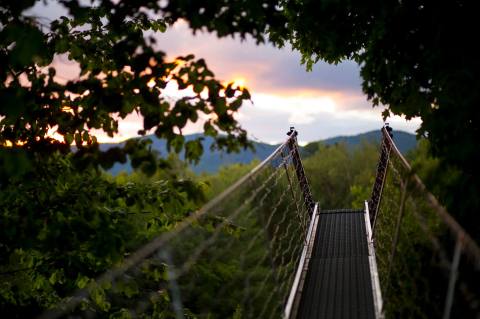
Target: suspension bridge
<point>265,249</point>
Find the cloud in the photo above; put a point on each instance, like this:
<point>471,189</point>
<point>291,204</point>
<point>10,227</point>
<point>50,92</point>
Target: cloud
<point>266,69</point>
<point>316,118</point>
<point>287,73</point>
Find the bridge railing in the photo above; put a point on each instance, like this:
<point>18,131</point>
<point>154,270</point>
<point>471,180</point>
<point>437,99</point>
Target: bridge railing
<point>234,258</point>
<point>429,267</point>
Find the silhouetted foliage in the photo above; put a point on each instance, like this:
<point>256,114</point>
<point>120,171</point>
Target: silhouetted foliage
<point>121,72</point>
<point>418,59</point>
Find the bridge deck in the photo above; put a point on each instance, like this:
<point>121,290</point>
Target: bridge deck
<point>338,282</point>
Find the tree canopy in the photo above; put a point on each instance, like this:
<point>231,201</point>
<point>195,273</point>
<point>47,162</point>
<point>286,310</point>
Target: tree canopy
<point>417,59</point>
<point>121,72</point>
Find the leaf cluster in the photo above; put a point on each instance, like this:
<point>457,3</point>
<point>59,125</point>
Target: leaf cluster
<point>121,72</point>
<point>63,227</point>
<point>417,59</point>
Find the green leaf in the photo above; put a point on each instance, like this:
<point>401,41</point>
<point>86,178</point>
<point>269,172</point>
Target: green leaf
<point>198,87</point>
<point>78,139</point>
<point>68,138</point>
<point>82,281</point>
<point>99,297</point>
<point>62,45</point>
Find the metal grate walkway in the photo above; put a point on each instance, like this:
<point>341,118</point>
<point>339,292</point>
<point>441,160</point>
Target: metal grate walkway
<point>338,283</point>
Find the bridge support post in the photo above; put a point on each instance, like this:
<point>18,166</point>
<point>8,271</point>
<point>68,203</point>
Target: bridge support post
<point>297,163</point>
<point>382,167</point>
<point>303,220</point>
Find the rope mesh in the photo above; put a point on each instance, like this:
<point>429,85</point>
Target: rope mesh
<point>235,259</point>
<point>416,242</point>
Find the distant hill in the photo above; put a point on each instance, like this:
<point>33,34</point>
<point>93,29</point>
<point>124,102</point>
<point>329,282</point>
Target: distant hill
<point>212,161</point>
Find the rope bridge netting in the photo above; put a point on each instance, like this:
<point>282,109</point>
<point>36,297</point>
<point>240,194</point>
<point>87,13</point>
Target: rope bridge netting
<point>428,266</point>
<point>234,258</point>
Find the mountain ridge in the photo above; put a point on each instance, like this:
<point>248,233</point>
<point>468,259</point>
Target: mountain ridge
<point>211,161</point>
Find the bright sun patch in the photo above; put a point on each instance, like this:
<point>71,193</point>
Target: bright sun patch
<point>151,83</point>
<point>238,83</point>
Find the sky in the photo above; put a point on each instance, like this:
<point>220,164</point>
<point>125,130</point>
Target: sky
<point>326,102</point>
